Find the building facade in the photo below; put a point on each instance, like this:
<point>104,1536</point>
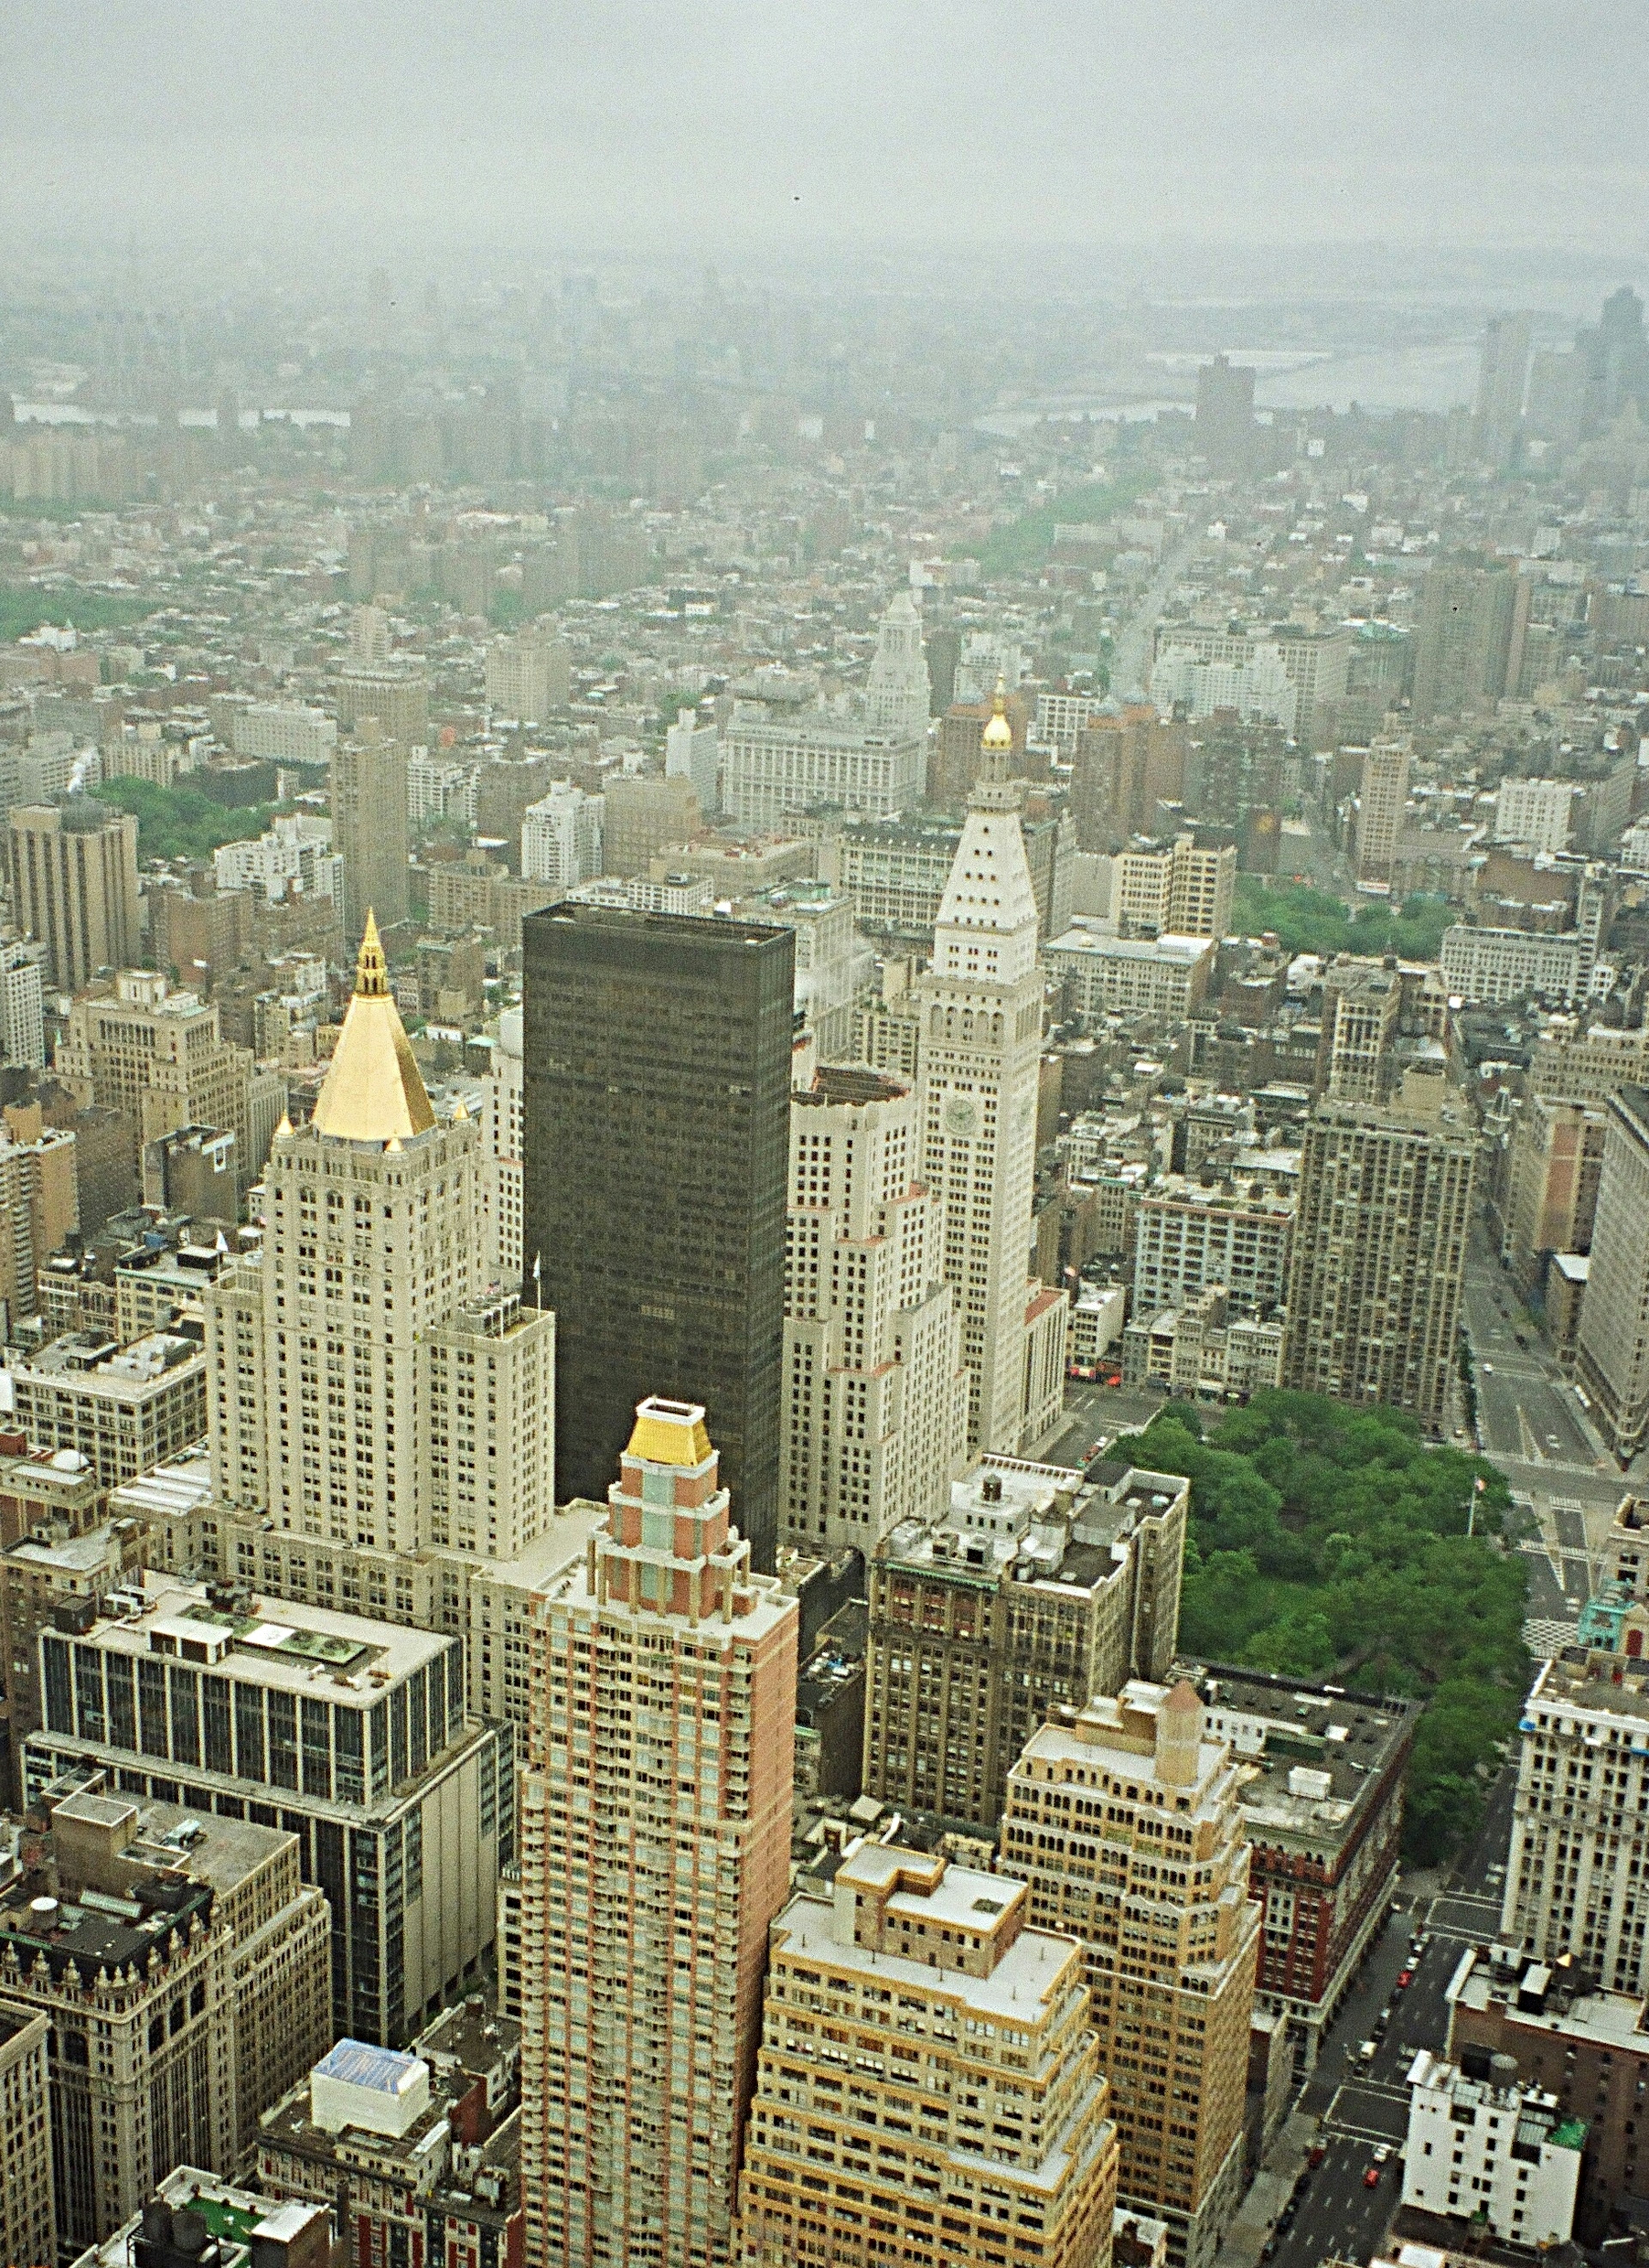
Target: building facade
<point>981,1009</point>
<point>353,1735</point>
<point>970,2056</point>
<point>655,1852</point>
<point>369,824</point>
<point>1036,1588</point>
<point>663,1041</point>
<point>1612,1359</point>
<point>876,1393</point>
<point>1378,1266</point>
<point>73,884</point>
<point>1124,1820</point>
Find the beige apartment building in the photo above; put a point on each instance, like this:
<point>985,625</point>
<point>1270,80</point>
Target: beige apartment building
<point>1175,889</point>
<point>157,1056</point>
<point>73,876</point>
<point>655,1818</point>
<point>876,1415</point>
<point>927,2089</point>
<point>1124,1819</point>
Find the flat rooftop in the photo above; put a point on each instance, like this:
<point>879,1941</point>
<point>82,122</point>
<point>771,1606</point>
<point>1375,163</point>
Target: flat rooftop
<point>280,1643</point>
<point>1276,1728</point>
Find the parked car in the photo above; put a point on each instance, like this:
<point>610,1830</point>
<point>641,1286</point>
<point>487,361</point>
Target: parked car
<point>1371,2179</point>
<point>1317,2152</point>
<point>1365,2053</point>
<point>1382,2150</point>
<point>1405,1978</point>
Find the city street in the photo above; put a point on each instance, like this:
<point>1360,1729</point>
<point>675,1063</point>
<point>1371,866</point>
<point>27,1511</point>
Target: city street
<point>1359,2106</point>
<point>1526,1410</point>
<point>1091,1413</point>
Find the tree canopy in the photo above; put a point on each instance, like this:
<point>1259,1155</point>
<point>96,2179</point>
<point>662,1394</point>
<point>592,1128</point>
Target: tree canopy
<point>1330,1543</point>
<point>180,823</point>
<point>1309,920</point>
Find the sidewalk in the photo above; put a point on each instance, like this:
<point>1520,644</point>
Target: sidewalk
<point>1268,2192</point>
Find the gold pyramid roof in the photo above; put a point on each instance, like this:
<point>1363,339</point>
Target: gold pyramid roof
<point>998,734</point>
<point>374,1091</point>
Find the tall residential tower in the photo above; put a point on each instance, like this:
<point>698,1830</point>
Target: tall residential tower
<point>655,1851</point>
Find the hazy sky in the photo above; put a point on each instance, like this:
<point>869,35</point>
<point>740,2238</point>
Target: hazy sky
<point>707,124</point>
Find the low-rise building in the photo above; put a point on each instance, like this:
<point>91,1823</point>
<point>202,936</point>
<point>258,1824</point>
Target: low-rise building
<point>1105,976</point>
<point>124,1409</point>
<point>1501,2156</point>
<point>1200,1350</point>
<point>978,2120</point>
<point>418,2152</point>
<point>1586,2048</point>
<point>1322,1803</point>
<point>193,2215</point>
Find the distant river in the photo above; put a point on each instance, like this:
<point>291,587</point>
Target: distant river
<point>1432,377</point>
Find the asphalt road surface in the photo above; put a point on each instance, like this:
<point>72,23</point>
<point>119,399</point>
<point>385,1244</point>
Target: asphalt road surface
<point>1361,2105</point>
<point>1526,1410</point>
<point>1093,1412</point>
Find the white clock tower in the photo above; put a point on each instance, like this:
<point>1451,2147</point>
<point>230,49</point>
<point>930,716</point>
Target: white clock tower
<point>981,1006</point>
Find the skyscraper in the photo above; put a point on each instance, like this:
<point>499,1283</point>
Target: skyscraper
<point>73,877</point>
<point>368,826</point>
<point>898,696</point>
<point>657,1110</point>
<point>1171,1948</point>
<point>1468,649</point>
<point>1502,374</point>
<point>963,2015</point>
<point>1612,1361</point>
<point>1378,1258</point>
<point>369,1388</point>
<point>1381,795</point>
<point>876,1396</point>
<point>1225,416</point>
<point>980,1009</point>
<point>655,1851</point>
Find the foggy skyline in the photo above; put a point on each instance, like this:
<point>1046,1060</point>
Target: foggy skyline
<point>761,130</point>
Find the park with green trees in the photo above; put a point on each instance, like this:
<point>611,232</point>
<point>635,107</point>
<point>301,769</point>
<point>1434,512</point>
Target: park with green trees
<point>1334,1543</point>
<point>1307,920</point>
<point>180,823</point>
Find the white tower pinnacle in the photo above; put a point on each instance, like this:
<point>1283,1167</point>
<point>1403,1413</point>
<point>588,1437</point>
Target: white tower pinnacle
<point>982,1029</point>
<point>897,696</point>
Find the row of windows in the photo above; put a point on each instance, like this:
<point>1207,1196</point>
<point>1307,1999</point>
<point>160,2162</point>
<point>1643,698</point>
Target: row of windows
<point>157,1707</point>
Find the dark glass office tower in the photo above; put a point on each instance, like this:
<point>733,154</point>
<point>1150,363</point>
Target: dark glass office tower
<point>656,1054</point>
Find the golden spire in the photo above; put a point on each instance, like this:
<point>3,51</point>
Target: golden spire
<point>371,970</point>
<point>373,1091</point>
<point>998,734</point>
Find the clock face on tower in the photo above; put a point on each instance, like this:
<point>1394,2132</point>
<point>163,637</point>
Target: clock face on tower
<point>961,1116</point>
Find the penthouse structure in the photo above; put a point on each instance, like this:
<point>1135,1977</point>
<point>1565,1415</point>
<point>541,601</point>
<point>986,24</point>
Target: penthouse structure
<point>1124,1819</point>
<point>973,2120</point>
<point>352,1734</point>
<point>1037,1588</point>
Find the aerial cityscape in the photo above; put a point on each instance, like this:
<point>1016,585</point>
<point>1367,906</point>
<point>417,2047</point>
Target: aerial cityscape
<point>824,1183</point>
